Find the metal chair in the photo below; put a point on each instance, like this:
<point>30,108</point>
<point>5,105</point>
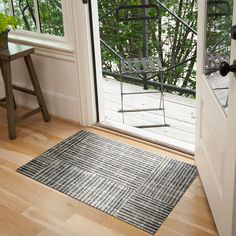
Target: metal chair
<point>145,67</point>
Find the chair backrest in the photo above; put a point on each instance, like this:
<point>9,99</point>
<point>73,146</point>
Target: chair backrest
<point>141,65</point>
<point>135,12</point>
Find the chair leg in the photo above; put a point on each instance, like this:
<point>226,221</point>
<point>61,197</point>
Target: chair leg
<point>6,70</point>
<point>37,89</point>
<point>163,107</point>
<point>122,99</point>
<point>162,98</point>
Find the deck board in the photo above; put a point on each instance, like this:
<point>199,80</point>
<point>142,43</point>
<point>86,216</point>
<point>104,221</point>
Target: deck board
<point>180,113</point>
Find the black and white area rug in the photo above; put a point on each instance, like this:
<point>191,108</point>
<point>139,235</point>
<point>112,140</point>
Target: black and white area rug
<point>133,185</point>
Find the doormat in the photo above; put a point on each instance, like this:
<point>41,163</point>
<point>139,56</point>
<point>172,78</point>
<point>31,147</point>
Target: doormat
<point>131,184</point>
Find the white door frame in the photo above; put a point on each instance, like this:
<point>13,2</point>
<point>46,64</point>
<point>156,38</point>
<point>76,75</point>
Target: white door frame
<point>98,59</point>
<point>84,61</point>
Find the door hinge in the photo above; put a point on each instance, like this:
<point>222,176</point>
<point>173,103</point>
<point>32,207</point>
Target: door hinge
<point>85,1</point>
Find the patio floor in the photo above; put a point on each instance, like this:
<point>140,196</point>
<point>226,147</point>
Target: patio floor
<point>180,114</point>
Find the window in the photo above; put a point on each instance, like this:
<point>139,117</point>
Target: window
<point>41,16</point>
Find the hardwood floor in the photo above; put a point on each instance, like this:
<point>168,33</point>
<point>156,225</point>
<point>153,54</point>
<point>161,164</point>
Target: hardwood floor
<point>30,208</point>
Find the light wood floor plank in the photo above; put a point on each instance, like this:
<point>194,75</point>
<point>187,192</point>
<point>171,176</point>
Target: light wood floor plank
<point>12,223</point>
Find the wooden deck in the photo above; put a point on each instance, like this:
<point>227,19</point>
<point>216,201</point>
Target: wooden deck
<point>180,115</point>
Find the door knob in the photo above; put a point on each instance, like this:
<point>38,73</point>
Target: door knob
<point>233,32</point>
<point>225,68</point>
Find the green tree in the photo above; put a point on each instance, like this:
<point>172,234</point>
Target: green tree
<point>51,17</point>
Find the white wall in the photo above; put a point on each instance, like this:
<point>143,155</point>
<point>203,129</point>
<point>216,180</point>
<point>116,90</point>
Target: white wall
<point>66,76</point>
<point>58,81</point>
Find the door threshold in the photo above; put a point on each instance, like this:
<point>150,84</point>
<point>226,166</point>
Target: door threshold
<point>157,139</point>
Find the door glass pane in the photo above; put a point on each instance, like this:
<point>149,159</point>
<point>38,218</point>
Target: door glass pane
<point>51,20</point>
<point>218,38</point>
<point>25,12</point>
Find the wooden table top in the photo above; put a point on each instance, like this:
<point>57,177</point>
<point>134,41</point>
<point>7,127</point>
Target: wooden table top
<point>15,51</point>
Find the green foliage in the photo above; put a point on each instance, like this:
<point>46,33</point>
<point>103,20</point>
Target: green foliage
<point>7,22</point>
<point>50,12</point>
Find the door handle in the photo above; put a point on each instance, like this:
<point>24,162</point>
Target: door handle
<point>233,32</point>
<point>85,1</point>
<point>225,68</point>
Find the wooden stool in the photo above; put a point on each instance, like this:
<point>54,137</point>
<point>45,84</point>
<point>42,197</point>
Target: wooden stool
<point>16,51</point>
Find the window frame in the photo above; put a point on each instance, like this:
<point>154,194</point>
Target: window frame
<point>59,43</point>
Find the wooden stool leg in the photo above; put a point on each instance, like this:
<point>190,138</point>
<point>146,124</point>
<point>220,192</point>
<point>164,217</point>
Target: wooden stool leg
<point>15,106</point>
<point>6,69</point>
<point>1,66</point>
<point>37,89</point>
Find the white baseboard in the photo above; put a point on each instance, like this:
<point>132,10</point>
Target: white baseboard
<point>59,105</point>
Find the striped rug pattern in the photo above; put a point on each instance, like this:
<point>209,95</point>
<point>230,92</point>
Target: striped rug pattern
<point>136,186</point>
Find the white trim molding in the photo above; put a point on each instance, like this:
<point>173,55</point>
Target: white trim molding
<point>98,60</point>
<point>84,62</point>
